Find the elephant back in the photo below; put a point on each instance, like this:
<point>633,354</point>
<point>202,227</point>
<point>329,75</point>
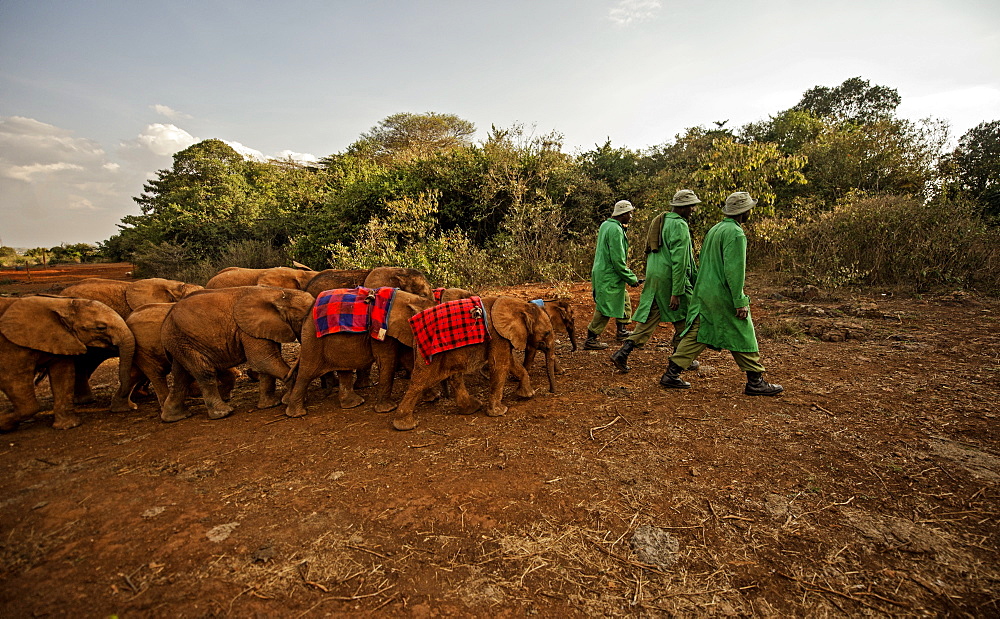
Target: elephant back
<point>234,276</point>
<point>410,280</point>
<point>111,292</point>
<point>334,279</point>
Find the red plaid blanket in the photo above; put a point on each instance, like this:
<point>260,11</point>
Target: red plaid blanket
<point>450,325</point>
<point>353,310</point>
<point>341,310</point>
<point>437,294</point>
<point>379,316</point>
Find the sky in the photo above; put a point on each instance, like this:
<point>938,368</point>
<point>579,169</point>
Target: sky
<point>95,97</point>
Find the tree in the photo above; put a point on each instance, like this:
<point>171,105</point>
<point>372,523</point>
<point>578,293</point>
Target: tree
<point>406,136</point>
<point>614,166</point>
<point>213,197</point>
<point>977,163</point>
<point>889,156</point>
<point>755,168</point>
<point>855,100</point>
<point>790,130</point>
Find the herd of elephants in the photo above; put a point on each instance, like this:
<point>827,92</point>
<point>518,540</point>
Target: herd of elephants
<point>199,335</point>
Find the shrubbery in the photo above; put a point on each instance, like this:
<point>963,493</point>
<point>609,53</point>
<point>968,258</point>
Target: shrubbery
<point>893,241</point>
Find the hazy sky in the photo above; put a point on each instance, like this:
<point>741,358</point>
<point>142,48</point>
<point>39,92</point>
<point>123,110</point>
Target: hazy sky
<point>96,95</point>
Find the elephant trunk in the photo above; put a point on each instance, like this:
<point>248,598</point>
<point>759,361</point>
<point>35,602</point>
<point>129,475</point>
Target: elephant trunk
<point>125,341</point>
<point>550,367</point>
<point>572,336</point>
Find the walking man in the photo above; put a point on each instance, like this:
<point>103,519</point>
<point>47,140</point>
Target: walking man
<point>609,276</point>
<point>719,316</point>
<point>670,277</point>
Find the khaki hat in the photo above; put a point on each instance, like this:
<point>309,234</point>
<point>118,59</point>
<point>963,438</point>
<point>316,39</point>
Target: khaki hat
<point>621,207</point>
<point>685,197</point>
<point>739,202</point>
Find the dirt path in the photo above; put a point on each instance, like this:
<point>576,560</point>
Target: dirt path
<point>870,488</point>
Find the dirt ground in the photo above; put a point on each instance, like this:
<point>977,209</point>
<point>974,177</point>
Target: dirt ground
<point>870,488</point>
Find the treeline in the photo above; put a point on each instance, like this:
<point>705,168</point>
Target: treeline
<point>849,194</point>
<point>64,253</point>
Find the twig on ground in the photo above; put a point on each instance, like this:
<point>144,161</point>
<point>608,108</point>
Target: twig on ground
<point>363,549</point>
<point>607,425</point>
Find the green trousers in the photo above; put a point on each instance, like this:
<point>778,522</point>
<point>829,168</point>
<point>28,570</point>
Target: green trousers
<point>600,322</point>
<point>689,348</point>
<point>645,331</point>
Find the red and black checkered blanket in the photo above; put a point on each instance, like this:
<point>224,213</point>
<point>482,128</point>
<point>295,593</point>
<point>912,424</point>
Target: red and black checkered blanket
<point>450,325</point>
<point>353,310</point>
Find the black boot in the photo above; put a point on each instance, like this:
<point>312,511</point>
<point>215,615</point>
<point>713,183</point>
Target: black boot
<point>756,385</point>
<point>672,378</point>
<point>591,342</point>
<point>622,332</point>
<point>620,358</point>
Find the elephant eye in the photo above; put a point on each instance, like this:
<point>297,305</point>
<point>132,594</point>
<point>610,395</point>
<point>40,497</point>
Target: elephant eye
<point>101,327</point>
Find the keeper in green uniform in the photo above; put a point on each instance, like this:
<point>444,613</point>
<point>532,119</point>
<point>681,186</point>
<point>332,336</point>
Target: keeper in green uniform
<point>719,315</point>
<point>670,277</point>
<point>609,276</point>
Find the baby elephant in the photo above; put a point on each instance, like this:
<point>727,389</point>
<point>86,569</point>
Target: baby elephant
<point>48,334</point>
<point>512,324</point>
<point>219,329</point>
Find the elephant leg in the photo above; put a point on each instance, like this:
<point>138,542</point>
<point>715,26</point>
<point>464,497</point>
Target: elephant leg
<point>82,393</point>
<point>348,399</point>
<point>227,381</point>
<point>18,384</point>
<point>266,396</point>
<point>295,399</point>
<point>264,356</point>
<point>173,408</point>
<point>466,403</point>
<point>364,379</point>
<point>529,356</point>
<point>121,401</point>
<point>62,379</point>
<point>324,380</point>
<point>386,377</point>
<point>422,378</point>
<point>499,370</point>
<point>524,388</point>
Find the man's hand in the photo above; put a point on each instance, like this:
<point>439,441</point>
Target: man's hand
<point>637,284</point>
<point>675,301</point>
<point>742,312</point>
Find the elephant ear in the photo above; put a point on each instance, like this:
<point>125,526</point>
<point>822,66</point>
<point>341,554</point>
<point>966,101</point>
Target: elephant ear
<point>565,313</point>
<point>152,290</point>
<point>404,307</point>
<point>41,324</point>
<point>514,320</point>
<point>256,313</point>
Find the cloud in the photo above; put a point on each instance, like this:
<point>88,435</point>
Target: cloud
<point>169,112</point>
<point>162,139</point>
<point>246,151</point>
<point>967,107</point>
<point>58,187</point>
<point>26,141</point>
<point>627,12</point>
<point>296,157</point>
<point>28,173</point>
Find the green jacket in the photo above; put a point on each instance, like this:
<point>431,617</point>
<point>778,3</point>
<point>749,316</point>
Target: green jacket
<point>610,273</point>
<point>670,271</point>
<point>719,290</point>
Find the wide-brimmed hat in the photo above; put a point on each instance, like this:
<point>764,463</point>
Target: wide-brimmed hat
<point>685,197</point>
<point>621,207</point>
<point>739,202</point>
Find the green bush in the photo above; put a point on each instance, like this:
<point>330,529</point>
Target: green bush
<point>894,241</point>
